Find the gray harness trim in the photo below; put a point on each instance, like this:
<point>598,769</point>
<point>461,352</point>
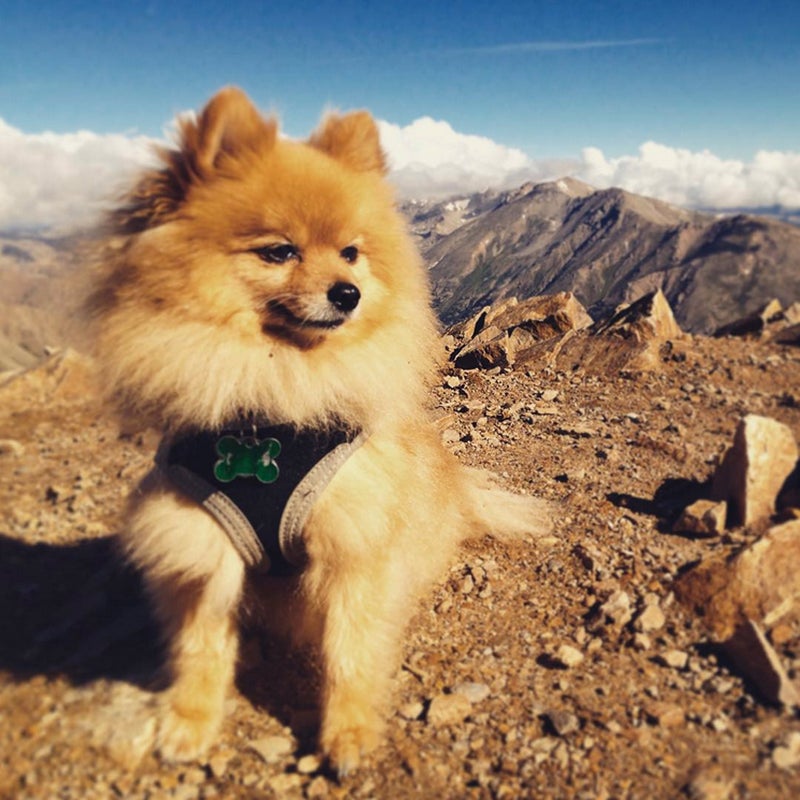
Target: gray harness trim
<point>236,525</point>
<point>304,496</point>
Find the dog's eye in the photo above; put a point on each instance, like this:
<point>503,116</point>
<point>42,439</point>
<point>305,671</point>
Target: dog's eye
<point>349,254</point>
<point>278,253</point>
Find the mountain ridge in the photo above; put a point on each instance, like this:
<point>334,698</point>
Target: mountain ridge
<point>609,247</point>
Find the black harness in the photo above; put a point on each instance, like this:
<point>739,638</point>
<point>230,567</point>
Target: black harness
<point>259,484</point>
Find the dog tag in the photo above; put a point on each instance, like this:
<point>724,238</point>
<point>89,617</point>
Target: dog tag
<point>247,458</point>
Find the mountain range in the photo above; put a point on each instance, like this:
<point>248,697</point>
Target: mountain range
<point>606,246</point>
<point>43,285</point>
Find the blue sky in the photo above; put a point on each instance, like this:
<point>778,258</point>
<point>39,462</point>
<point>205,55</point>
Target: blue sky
<point>724,76</point>
<point>547,78</point>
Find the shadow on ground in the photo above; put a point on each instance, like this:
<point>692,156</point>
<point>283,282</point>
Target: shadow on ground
<point>75,610</point>
<point>669,500</point>
<point>79,611</point>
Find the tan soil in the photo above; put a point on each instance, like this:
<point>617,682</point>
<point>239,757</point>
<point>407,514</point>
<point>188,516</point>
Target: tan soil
<point>634,719</point>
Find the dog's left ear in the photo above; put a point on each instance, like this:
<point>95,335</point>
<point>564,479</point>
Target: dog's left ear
<point>352,139</point>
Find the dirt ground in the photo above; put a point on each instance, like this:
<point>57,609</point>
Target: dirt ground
<point>641,707</point>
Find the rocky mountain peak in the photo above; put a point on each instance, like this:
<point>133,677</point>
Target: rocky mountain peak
<point>608,247</point>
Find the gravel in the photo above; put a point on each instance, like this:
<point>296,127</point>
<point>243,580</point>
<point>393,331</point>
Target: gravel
<point>493,699</point>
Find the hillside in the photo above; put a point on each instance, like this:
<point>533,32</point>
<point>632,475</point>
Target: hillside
<point>566,667</point>
<point>607,247</point>
<point>42,290</point>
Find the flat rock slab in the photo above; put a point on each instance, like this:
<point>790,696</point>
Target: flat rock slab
<point>753,471</point>
<point>755,658</point>
<point>760,583</point>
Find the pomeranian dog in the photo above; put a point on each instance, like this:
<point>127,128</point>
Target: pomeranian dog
<point>262,305</point>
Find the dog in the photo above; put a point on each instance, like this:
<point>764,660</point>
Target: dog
<point>262,305</point>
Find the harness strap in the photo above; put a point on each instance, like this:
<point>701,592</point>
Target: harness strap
<point>264,522</point>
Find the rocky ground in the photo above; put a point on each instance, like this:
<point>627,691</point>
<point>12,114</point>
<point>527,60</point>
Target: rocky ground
<point>562,668</point>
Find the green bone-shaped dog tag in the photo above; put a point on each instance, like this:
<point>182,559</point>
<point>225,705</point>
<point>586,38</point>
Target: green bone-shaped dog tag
<point>246,459</point>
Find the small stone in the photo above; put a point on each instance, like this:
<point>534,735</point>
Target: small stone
<point>676,659</point>
<point>651,619</point>
<point>562,722</point>
<point>11,447</point>
<point>544,744</point>
<point>218,763</point>
<point>474,692</point>
<point>466,585</point>
<point>704,518</point>
<point>787,755</point>
<point>453,382</point>
<point>561,756</point>
<point>317,788</point>
<point>568,656</point>
<point>666,715</point>
<point>411,711</point>
<point>308,764</point>
<point>447,709</point>
<point>615,611</point>
<point>272,748</point>
<point>708,783</point>
<point>285,782</point>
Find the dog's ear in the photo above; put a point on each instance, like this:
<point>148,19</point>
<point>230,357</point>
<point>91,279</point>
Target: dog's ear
<point>352,139</point>
<point>229,127</point>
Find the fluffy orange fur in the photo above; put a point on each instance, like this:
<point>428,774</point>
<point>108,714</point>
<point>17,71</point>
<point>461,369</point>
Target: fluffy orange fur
<point>199,319</point>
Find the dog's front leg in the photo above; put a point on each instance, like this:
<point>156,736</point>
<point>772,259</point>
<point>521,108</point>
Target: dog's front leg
<point>194,577</point>
<point>361,642</point>
<point>200,623</point>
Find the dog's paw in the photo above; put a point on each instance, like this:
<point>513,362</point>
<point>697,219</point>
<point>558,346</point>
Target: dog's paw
<point>344,748</point>
<point>185,734</point>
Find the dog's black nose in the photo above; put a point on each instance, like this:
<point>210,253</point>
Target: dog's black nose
<point>344,296</point>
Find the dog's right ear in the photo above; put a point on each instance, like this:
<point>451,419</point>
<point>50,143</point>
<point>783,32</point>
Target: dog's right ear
<point>228,128</point>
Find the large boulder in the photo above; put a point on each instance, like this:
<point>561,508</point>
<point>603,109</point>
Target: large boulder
<point>493,337</point>
<point>754,469</point>
<point>636,338</point>
<point>760,583</point>
<point>771,322</point>
<point>556,331</point>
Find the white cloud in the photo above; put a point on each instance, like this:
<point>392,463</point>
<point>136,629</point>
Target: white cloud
<point>50,180</point>
<point>701,180</point>
<point>53,180</point>
<point>429,159</point>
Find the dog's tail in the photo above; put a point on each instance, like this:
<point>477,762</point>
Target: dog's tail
<point>503,514</point>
